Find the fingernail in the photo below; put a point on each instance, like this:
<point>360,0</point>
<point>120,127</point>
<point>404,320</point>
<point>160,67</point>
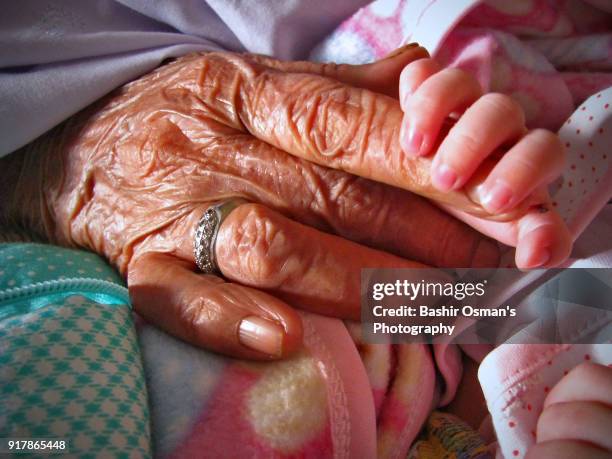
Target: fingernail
<point>411,139</point>
<point>443,177</point>
<point>497,197</point>
<point>534,250</point>
<point>539,258</point>
<point>400,50</point>
<point>261,335</point>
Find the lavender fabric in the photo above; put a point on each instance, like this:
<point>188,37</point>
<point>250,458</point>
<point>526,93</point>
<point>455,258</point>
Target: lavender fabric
<point>58,56</point>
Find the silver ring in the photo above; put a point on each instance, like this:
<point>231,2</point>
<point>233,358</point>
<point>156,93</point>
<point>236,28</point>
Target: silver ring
<point>206,233</point>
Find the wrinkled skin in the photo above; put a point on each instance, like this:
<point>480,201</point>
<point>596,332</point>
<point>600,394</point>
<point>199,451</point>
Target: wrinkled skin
<point>181,137</point>
<point>130,176</point>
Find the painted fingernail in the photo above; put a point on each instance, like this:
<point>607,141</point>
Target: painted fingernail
<point>261,335</point>
<point>497,197</point>
<point>444,177</point>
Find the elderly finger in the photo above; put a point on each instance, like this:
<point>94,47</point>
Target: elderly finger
<point>210,313</point>
<point>338,126</point>
<point>381,76</point>
<point>315,118</point>
<point>402,223</point>
<point>259,247</point>
<point>370,213</point>
<point>581,421</point>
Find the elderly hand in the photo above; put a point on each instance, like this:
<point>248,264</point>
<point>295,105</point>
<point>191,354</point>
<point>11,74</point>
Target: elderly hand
<point>577,416</point>
<point>130,177</point>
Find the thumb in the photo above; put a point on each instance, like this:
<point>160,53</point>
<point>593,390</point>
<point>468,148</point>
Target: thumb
<point>381,76</point>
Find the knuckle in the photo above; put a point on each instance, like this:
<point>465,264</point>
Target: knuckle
<point>329,120</point>
<point>137,268</point>
<point>460,76</point>
<point>333,70</point>
<point>357,203</point>
<point>193,314</point>
<point>506,105</point>
<point>314,183</point>
<point>465,144</point>
<point>549,141</point>
<point>422,99</point>
<point>260,245</point>
<point>422,106</point>
<point>452,80</point>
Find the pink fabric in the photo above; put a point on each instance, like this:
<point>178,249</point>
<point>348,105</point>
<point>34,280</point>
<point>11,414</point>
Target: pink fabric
<point>491,56</point>
<point>316,404</point>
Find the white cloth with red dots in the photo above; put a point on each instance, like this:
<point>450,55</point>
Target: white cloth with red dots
<point>516,378</point>
<point>586,185</point>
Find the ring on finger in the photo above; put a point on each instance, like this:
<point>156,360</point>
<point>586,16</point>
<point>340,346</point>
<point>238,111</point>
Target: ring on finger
<point>206,233</point>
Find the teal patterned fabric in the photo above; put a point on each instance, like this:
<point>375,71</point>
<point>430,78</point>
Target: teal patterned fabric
<point>70,366</point>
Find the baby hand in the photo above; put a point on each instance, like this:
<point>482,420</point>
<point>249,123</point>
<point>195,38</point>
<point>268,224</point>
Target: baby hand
<point>577,418</point>
<point>431,96</point>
